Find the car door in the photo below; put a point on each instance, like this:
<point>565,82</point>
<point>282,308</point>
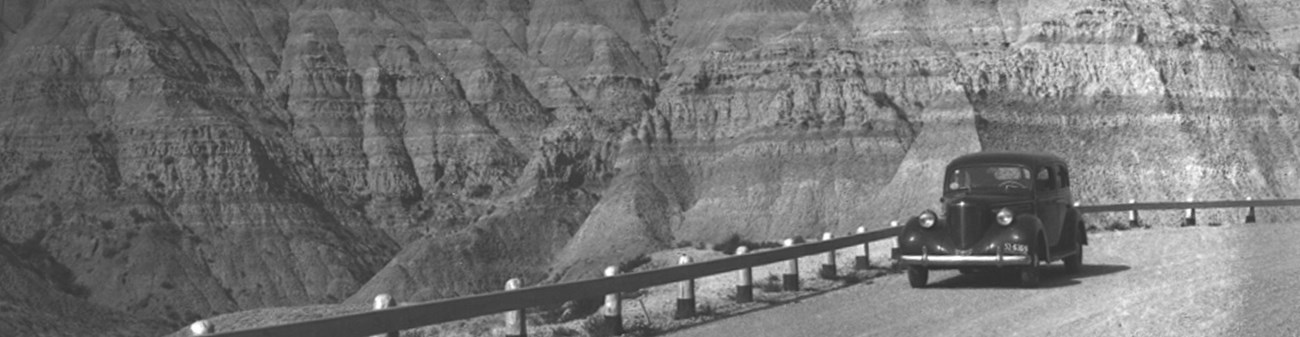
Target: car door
<point>1052,201</point>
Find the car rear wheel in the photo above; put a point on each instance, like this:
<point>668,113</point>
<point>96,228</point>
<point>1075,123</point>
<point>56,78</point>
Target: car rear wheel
<point>1073,262</point>
<point>1030,274</point>
<point>918,276</point>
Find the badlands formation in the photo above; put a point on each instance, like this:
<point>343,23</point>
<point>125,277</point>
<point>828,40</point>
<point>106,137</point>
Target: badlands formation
<point>167,160</point>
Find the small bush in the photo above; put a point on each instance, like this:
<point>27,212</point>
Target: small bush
<point>630,265</point>
<point>595,326</point>
<point>770,284</point>
<point>565,331</point>
<point>728,246</point>
<point>705,310</point>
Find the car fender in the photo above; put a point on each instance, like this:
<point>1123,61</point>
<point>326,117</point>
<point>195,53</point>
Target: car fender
<point>914,236</point>
<point>1072,219</point>
<point>1028,228</point>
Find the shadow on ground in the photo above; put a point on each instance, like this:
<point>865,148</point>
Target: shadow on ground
<point>1053,276</point>
<point>764,300</point>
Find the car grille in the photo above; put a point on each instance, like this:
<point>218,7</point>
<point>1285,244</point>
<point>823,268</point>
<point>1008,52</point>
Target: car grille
<point>967,223</point>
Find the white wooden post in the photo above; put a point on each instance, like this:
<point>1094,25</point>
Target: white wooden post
<point>685,295</point>
<point>1250,214</point>
<point>1190,218</point>
<point>384,301</point>
<point>745,290</point>
<point>516,326</point>
<point>790,280</point>
<point>864,261</point>
<point>1133,215</point>
<point>613,307</point>
<point>202,328</point>
<point>828,270</point>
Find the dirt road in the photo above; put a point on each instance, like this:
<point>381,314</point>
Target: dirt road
<point>1207,281</point>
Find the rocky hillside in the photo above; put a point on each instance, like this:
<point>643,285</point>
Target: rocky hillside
<point>178,159</point>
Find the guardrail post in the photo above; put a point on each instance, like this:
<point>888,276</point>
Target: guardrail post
<point>613,307</point>
<point>384,301</point>
<point>790,280</point>
<point>829,271</point>
<point>1250,214</point>
<point>863,262</point>
<point>686,295</point>
<point>202,328</point>
<point>1190,219</point>
<point>1133,215</point>
<point>516,325</point>
<point>745,290</point>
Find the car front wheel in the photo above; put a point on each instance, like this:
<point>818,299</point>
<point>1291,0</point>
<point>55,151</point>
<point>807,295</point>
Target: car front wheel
<point>1029,274</point>
<point>917,276</point>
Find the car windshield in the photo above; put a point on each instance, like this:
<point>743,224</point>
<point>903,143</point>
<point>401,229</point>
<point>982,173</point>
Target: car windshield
<point>991,177</point>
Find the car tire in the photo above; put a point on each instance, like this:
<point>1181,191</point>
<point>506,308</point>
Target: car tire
<point>1030,274</point>
<point>1073,262</point>
<point>918,276</point>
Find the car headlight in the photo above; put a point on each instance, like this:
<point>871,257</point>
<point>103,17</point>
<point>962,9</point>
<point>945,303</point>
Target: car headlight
<point>1005,216</point>
<point>927,219</point>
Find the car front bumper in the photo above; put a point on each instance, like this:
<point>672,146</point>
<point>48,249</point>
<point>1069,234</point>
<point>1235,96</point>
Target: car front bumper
<point>929,260</point>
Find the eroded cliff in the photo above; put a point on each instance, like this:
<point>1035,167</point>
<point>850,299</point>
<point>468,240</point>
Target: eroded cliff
<point>184,158</point>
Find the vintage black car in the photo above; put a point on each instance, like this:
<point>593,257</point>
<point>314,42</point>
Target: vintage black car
<point>1001,210</point>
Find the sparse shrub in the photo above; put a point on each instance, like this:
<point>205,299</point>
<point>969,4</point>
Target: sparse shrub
<point>630,265</point>
<point>570,310</point>
<point>705,309</point>
<point>852,278</point>
<point>728,246</point>
<point>682,244</point>
<point>595,326</point>
<point>770,284</point>
<point>859,276</point>
<point>564,331</point>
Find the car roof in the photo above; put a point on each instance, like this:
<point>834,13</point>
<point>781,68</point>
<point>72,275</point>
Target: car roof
<point>1024,158</point>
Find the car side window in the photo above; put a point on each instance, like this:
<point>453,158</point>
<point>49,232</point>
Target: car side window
<point>1065,176</point>
<point>1046,180</point>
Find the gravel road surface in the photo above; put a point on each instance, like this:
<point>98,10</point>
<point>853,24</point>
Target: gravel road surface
<point>1239,280</point>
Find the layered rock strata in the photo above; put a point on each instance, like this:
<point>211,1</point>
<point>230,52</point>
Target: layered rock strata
<point>184,158</point>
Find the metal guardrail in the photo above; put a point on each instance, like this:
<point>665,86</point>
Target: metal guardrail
<point>441,311</point>
<point>1188,205</point>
